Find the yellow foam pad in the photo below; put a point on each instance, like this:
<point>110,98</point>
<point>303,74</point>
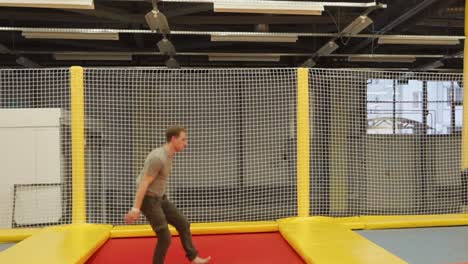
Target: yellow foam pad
<point>354,222</point>
<point>199,229</point>
<point>411,221</point>
<point>58,245</point>
<point>16,234</point>
<point>321,240</point>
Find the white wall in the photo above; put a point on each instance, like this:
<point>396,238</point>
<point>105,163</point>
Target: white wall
<point>29,154</point>
<point>393,174</point>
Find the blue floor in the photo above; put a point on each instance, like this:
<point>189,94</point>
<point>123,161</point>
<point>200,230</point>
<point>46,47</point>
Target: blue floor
<point>437,245</point>
<point>4,246</point>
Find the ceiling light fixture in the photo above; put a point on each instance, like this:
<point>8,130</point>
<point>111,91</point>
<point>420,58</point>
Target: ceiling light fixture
<point>70,35</point>
<point>419,40</point>
<point>269,7</point>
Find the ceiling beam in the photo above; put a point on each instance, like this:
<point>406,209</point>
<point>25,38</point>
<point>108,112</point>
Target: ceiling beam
<point>434,10</point>
<point>90,45</point>
<point>188,9</point>
<point>44,15</point>
<point>441,22</point>
<point>257,19</point>
<point>87,17</point>
<point>111,14</point>
<point>138,37</point>
<point>416,30</point>
<point>394,9</point>
<point>5,50</point>
<point>21,60</point>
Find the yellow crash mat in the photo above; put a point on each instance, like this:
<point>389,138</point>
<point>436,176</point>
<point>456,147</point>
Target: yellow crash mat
<point>58,245</point>
<point>199,229</point>
<point>321,240</point>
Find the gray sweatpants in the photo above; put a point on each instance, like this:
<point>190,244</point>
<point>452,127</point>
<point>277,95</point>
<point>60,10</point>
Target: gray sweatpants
<point>160,212</point>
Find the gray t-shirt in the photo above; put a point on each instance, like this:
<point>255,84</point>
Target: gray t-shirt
<point>159,165</point>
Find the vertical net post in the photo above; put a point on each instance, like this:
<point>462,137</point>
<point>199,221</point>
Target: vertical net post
<point>465,99</point>
<point>78,148</point>
<point>464,147</point>
<point>303,142</point>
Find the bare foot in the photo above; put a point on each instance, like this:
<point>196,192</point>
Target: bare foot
<point>199,260</point>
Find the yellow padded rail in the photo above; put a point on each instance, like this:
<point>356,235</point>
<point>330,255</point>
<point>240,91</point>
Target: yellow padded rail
<point>353,223</point>
<point>17,234</point>
<point>199,229</point>
<point>412,221</point>
<point>317,239</point>
<point>321,240</point>
<point>303,134</point>
<point>78,145</point>
<point>397,221</point>
<point>464,149</point>
<point>58,245</point>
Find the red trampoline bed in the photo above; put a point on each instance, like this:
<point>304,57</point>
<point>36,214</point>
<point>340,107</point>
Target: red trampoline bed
<point>258,248</point>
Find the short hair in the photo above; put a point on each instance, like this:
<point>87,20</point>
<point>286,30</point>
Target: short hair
<point>174,131</point>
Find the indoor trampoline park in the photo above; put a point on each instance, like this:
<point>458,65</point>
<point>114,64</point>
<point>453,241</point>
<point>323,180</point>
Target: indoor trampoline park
<point>314,132</point>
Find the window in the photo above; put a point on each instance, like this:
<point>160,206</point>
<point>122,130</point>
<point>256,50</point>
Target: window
<point>398,106</point>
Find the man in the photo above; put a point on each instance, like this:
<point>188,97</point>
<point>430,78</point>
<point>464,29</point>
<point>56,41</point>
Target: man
<point>151,198</point>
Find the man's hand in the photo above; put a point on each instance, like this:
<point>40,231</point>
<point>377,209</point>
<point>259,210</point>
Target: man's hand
<point>132,215</point>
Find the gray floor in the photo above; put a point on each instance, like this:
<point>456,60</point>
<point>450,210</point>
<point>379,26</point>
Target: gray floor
<point>4,246</point>
<point>438,245</point>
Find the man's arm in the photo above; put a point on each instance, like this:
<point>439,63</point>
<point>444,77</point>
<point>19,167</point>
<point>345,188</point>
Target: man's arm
<point>134,213</point>
<point>151,169</point>
<point>142,187</point>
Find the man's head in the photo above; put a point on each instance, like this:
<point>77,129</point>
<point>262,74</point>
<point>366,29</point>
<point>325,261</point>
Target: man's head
<point>177,137</point>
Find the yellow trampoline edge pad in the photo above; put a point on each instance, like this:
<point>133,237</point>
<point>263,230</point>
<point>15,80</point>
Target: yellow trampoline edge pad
<point>321,240</point>
<point>414,221</point>
<point>199,229</point>
<point>57,245</point>
<point>16,234</point>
